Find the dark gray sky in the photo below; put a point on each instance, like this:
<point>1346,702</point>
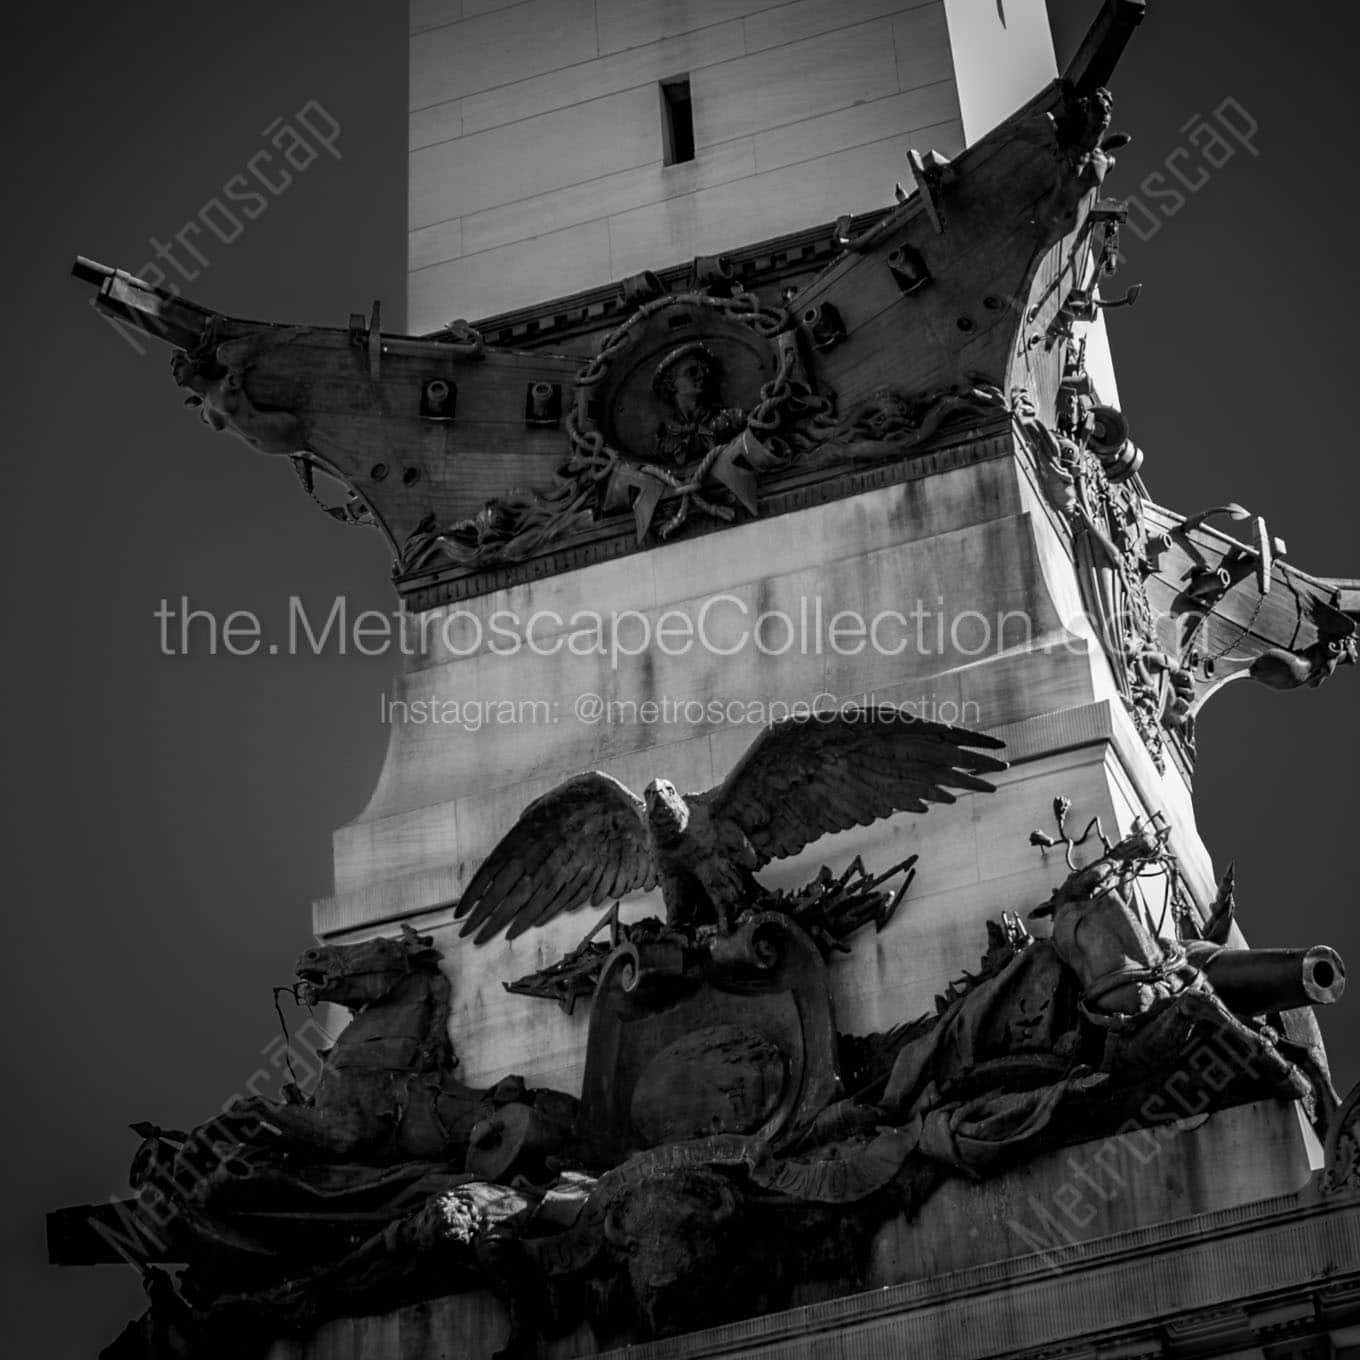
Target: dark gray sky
<point>171,816</point>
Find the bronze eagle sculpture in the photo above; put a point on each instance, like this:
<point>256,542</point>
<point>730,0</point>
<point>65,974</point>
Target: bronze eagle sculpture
<point>592,840</point>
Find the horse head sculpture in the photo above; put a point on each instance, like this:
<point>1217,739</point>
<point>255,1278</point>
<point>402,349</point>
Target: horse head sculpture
<point>1103,931</point>
<point>357,975</point>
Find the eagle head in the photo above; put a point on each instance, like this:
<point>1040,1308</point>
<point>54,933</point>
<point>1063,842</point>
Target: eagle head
<point>667,811</point>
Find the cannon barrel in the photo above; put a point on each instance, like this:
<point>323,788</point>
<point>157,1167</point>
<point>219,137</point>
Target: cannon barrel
<point>133,302</point>
<point>1256,981</point>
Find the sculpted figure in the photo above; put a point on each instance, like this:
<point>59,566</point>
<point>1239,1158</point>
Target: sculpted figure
<point>678,1236</point>
<point>215,378</point>
<point>386,1125</point>
<point>687,380</point>
<point>1117,1020</point>
<point>386,1092</point>
<point>591,839</point>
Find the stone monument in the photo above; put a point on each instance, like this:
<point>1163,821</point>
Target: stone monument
<point>924,1025</point>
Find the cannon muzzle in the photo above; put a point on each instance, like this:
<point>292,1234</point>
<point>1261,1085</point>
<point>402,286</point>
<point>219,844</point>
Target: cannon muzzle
<point>1258,981</point>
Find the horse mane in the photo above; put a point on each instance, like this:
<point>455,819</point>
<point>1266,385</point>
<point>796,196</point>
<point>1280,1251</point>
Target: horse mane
<point>437,1054</point>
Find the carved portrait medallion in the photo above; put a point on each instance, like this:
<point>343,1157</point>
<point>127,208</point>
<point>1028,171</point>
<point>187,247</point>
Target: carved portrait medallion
<point>680,380</point>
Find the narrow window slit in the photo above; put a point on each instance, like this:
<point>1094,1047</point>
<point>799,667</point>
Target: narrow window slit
<point>677,121</point>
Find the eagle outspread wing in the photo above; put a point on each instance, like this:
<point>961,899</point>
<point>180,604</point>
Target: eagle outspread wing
<point>814,774</point>
<point>584,841</point>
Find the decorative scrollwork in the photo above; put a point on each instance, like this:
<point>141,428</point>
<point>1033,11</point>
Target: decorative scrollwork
<point>891,423</point>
